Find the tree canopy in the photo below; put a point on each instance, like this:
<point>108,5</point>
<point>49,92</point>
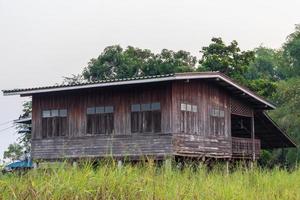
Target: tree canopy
<point>228,59</point>
<point>13,152</point>
<point>291,50</point>
<point>116,62</point>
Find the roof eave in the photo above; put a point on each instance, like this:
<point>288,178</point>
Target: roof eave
<point>222,77</point>
<point>282,131</point>
<point>177,76</point>
<point>86,86</point>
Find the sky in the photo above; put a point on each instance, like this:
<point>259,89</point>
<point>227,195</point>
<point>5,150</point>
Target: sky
<point>42,41</point>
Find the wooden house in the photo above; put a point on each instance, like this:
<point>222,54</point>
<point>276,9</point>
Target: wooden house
<point>186,114</point>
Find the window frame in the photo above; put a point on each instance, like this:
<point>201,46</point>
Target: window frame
<point>217,121</point>
<point>189,117</point>
<point>147,118</point>
<point>98,117</point>
<point>54,124</point>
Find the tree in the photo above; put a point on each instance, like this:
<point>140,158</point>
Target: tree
<point>265,70</point>
<point>291,49</point>
<point>14,152</point>
<point>267,64</point>
<point>115,62</point>
<point>287,114</point>
<point>24,130</point>
<point>228,59</point>
<point>168,62</point>
<point>262,86</point>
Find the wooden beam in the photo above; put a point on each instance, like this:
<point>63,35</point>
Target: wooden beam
<point>253,136</point>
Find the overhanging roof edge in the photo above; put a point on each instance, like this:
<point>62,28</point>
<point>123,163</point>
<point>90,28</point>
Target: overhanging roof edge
<point>177,76</point>
<point>280,130</point>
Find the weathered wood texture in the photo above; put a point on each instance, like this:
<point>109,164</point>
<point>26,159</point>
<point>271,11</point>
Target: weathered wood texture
<point>198,137</point>
<point>201,146</point>
<point>121,98</point>
<point>77,143</point>
<point>187,133</point>
<point>243,148</point>
<point>240,108</point>
<point>158,145</point>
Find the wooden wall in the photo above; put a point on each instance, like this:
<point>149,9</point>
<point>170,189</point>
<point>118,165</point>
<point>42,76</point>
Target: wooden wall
<point>199,138</point>
<point>121,98</point>
<point>195,138</point>
<point>131,146</point>
<point>78,142</point>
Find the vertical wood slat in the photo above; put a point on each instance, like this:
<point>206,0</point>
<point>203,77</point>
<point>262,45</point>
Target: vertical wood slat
<point>196,135</point>
<point>204,136</point>
<point>244,147</point>
<point>205,96</point>
<point>121,98</point>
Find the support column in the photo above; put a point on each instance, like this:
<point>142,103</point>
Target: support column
<point>253,136</point>
<point>120,164</point>
<point>227,167</point>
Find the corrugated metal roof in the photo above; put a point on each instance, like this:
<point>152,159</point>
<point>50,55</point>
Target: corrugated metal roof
<point>86,83</point>
<point>218,77</point>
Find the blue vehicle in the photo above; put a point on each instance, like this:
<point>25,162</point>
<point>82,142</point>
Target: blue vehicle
<point>21,165</point>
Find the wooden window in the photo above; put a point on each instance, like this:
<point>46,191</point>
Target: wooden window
<point>146,118</point>
<point>156,114</point>
<point>100,120</point>
<point>99,110</point>
<point>217,121</point>
<point>188,107</point>
<point>183,107</point>
<point>54,123</point>
<point>46,113</point>
<point>194,109</point>
<point>188,118</point>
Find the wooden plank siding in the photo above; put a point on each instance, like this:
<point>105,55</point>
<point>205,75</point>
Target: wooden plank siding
<point>190,133</point>
<point>78,142</point>
<point>121,99</point>
<point>131,146</point>
<point>198,138</point>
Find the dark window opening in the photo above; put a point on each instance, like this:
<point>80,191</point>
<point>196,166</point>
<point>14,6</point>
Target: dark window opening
<point>100,120</point>
<point>146,118</point>
<point>240,126</point>
<point>54,123</point>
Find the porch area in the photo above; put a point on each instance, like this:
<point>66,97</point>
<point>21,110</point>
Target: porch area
<point>243,148</point>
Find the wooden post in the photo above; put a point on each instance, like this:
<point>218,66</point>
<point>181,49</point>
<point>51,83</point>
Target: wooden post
<point>227,167</point>
<point>168,163</point>
<point>120,164</point>
<point>74,164</point>
<point>253,136</point>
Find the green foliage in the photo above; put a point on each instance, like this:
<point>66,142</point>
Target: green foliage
<point>292,52</point>
<point>267,64</point>
<point>228,59</point>
<point>263,87</point>
<point>115,62</point>
<point>151,182</point>
<point>25,136</point>
<point>13,152</point>
<point>287,113</point>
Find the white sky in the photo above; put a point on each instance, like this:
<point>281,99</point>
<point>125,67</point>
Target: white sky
<point>42,41</point>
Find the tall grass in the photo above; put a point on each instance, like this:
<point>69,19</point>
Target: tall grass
<point>148,181</point>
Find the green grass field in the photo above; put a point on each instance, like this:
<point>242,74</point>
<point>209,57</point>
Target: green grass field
<point>146,181</point>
